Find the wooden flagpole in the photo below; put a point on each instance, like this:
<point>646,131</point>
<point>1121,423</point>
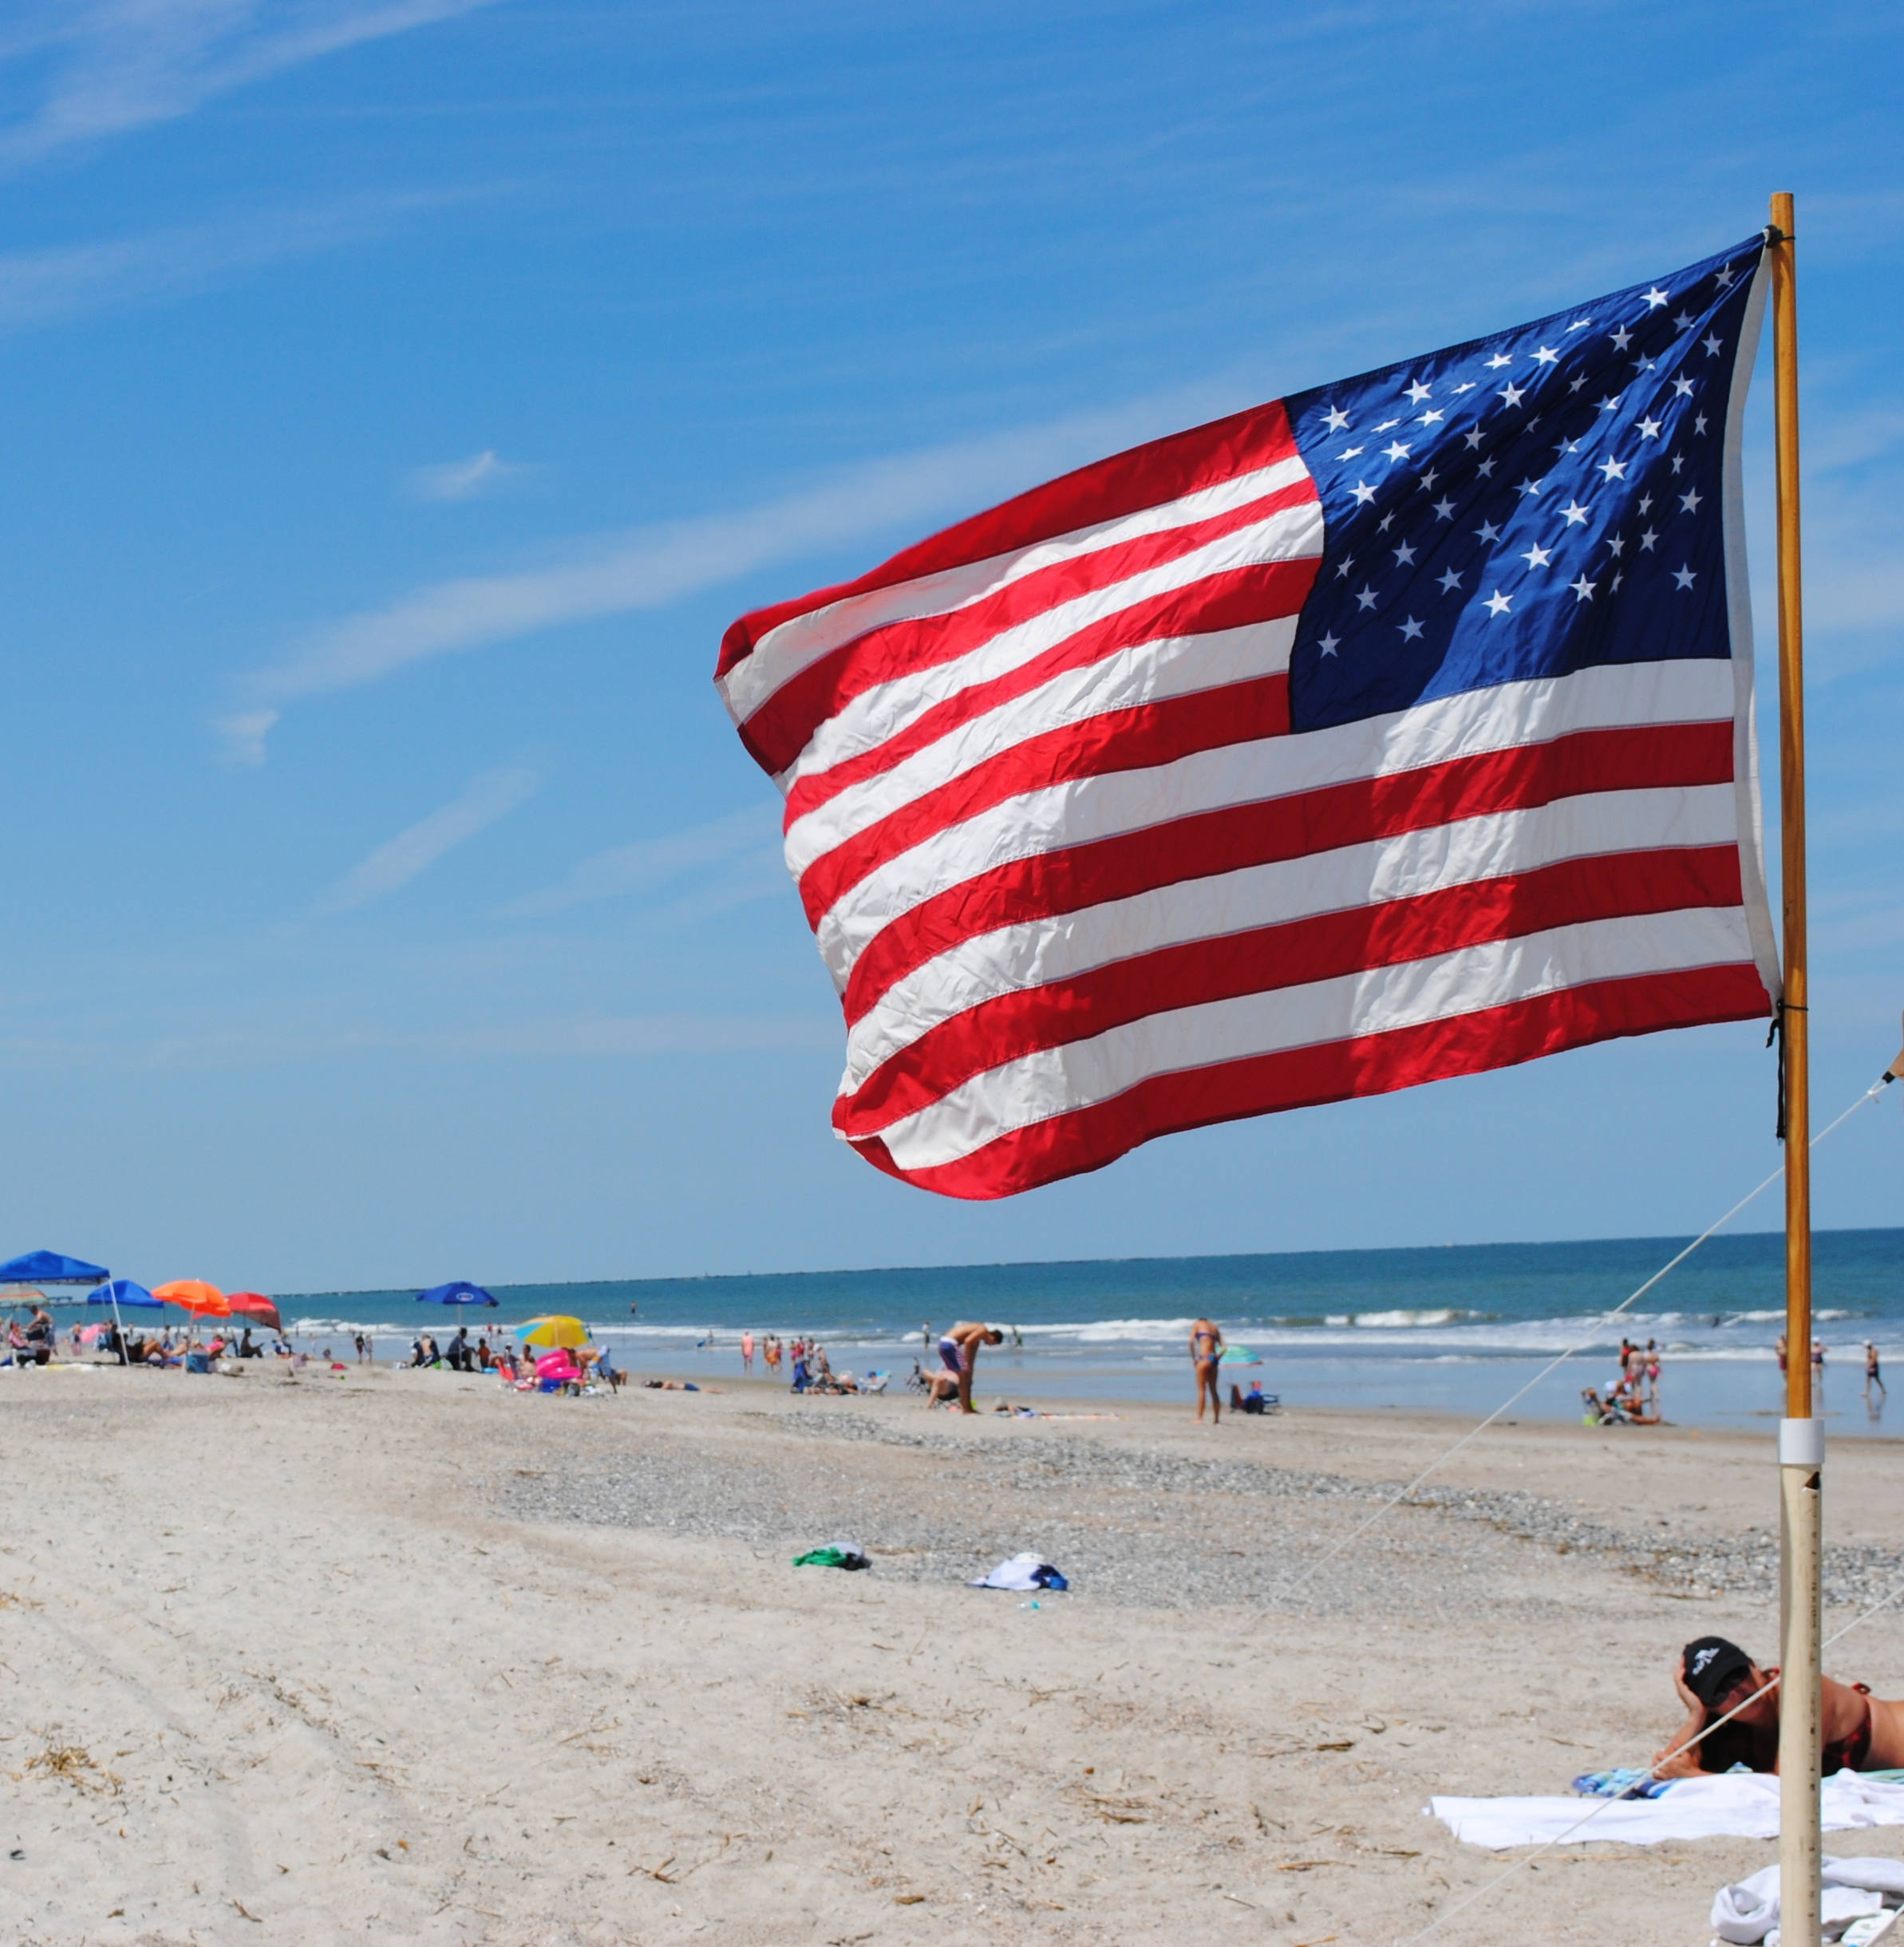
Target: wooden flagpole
<point>1801,1435</point>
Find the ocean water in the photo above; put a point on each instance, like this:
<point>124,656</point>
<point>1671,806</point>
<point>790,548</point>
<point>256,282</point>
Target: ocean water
<point>1457,1329</point>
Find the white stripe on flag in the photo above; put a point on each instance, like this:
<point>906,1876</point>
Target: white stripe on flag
<point>1511,716</point>
<point>864,722</point>
<point>1074,1076</point>
<point>1149,673</point>
<point>1467,852</point>
<point>802,640</point>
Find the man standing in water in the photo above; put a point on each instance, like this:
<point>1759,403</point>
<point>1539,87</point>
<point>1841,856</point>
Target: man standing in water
<point>958,1349</point>
<point>1206,1350</point>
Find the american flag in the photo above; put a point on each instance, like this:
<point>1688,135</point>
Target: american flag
<point>1395,730</point>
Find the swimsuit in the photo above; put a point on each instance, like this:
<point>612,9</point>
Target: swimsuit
<point>1849,1753</point>
<point>953,1354</point>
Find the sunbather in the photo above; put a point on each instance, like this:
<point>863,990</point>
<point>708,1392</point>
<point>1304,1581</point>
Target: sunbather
<point>1714,1677</point>
<point>941,1389</point>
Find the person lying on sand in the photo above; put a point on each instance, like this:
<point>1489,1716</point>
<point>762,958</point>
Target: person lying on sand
<point>959,1350</point>
<point>941,1388</point>
<point>1862,1732</point>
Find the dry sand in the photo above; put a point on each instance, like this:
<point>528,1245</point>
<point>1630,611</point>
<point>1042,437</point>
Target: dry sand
<point>400,1658</point>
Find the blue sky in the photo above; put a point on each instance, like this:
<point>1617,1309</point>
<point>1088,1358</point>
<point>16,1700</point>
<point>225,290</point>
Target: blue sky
<point>399,397</point>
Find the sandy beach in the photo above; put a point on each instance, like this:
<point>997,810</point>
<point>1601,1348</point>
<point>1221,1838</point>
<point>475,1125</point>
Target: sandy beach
<point>399,1657</point>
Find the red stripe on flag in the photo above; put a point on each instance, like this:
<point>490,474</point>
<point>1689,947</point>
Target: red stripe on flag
<point>1087,1138</point>
<point>1146,477</point>
<point>1192,972</point>
<point>1132,739</point>
<point>1271,593</point>
<point>1354,812</point>
<point>780,729</point>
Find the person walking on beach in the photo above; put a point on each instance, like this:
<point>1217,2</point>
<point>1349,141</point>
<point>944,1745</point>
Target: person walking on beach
<point>747,1352</point>
<point>1872,1373</point>
<point>958,1350</point>
<point>1205,1351</point>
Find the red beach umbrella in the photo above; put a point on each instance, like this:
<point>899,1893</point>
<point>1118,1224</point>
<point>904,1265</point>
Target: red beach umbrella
<point>256,1305</point>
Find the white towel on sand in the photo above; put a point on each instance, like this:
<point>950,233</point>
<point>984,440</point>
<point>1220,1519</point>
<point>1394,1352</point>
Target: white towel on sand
<point>1739,1804</point>
<point>1853,1888</point>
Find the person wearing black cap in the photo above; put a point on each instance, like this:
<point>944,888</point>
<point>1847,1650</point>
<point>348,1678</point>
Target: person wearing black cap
<point>1716,1677</point>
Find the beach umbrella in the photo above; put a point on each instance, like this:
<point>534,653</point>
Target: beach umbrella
<point>458,1293</point>
<point>255,1305</point>
<point>121,1291</point>
<point>194,1295</point>
<point>1239,1355</point>
<point>553,1330</point>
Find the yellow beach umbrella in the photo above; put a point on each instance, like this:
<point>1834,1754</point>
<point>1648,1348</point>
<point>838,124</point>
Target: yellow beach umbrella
<point>555,1330</point>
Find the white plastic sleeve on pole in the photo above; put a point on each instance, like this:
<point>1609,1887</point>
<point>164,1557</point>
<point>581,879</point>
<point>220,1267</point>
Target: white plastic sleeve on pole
<point>1801,1442</point>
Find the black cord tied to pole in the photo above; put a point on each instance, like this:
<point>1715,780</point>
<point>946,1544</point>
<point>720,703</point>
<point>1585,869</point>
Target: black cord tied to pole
<point>1776,1032</point>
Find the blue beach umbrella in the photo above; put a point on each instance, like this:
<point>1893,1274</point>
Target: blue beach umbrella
<point>459,1294</point>
<point>455,1294</point>
<point>122,1291</point>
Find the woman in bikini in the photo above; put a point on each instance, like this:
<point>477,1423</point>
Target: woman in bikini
<point>1862,1732</point>
<point>1206,1350</point>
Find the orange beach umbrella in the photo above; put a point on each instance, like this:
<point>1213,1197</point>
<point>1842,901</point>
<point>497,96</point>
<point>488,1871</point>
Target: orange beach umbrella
<point>194,1295</point>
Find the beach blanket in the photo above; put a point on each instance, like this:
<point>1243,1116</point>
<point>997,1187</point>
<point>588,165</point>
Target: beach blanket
<point>1854,1889</point>
<point>1625,1782</point>
<point>1740,1804</point>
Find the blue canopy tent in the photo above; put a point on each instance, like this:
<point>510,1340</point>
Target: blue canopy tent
<point>50,1267</point>
<point>36,1269</point>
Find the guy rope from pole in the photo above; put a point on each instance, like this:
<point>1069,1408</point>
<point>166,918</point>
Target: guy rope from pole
<point>1801,1437</point>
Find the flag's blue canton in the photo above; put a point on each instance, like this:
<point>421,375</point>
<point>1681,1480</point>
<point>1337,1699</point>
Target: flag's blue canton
<point>1525,506</point>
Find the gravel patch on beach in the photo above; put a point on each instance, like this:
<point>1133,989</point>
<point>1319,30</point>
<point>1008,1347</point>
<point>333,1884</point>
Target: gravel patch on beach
<point>1128,1522</point>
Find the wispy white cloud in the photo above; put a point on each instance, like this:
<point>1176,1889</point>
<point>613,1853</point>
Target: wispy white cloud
<point>43,286</point>
<point>626,871</point>
<point>492,796</point>
<point>651,567</point>
<point>481,473</point>
<point>244,732</point>
<point>116,65</point>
